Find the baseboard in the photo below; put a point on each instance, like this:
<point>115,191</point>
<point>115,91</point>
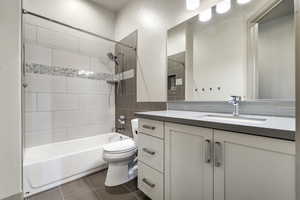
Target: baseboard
<point>15,197</point>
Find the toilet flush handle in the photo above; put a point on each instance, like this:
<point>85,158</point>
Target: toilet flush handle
<point>148,127</point>
<point>148,151</point>
<point>147,182</point>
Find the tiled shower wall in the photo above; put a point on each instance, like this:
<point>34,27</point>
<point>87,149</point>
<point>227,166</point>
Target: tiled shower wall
<point>61,106</point>
<point>126,95</point>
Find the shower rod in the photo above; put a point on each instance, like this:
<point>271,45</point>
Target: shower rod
<point>26,12</point>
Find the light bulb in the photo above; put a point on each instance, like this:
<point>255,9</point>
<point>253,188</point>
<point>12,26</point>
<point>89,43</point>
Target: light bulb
<point>243,1</point>
<point>223,7</point>
<point>192,4</point>
<point>205,15</point>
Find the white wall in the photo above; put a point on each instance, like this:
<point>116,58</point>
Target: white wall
<point>10,106</point>
<point>80,13</point>
<point>297,57</point>
<point>152,19</point>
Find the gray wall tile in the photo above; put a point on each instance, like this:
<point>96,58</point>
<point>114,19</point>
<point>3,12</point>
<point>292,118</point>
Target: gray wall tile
<point>126,103</point>
<point>273,108</point>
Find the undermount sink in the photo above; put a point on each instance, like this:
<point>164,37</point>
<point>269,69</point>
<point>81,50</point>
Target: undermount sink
<point>241,119</point>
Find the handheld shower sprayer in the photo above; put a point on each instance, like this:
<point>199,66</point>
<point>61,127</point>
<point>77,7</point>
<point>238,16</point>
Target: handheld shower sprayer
<point>113,58</point>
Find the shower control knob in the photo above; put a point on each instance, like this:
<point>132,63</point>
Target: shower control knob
<point>25,85</point>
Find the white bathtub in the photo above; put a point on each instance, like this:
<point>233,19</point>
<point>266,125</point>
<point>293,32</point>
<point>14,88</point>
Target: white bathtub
<point>50,165</point>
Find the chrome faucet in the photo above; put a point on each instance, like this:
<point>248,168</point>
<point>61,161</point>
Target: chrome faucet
<point>235,101</point>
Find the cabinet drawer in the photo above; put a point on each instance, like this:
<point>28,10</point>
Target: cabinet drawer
<point>150,182</point>
<point>151,127</point>
<point>151,151</point>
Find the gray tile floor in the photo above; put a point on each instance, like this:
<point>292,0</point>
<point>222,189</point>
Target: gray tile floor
<point>92,188</point>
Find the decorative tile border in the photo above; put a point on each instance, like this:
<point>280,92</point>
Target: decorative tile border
<point>125,75</point>
<point>33,68</point>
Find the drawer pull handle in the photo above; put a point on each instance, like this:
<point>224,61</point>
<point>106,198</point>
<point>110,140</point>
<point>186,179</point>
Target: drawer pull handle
<point>152,185</point>
<point>149,127</point>
<point>152,153</point>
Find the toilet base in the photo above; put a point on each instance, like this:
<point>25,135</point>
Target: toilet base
<point>120,172</point>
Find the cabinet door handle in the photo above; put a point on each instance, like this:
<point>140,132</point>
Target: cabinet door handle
<point>147,182</point>
<point>152,153</point>
<point>145,126</point>
<point>218,154</point>
<point>23,60</point>
<point>207,151</point>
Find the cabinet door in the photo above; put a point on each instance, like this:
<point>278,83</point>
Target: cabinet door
<point>188,163</point>
<point>253,168</point>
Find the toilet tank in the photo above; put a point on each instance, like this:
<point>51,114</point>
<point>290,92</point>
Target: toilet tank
<point>134,127</point>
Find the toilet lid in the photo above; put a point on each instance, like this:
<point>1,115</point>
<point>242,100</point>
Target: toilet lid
<point>120,146</point>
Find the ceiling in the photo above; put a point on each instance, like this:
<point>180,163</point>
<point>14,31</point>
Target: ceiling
<point>113,5</point>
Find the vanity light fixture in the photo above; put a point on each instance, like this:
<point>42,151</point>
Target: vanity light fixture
<point>243,1</point>
<point>192,4</point>
<point>223,6</point>
<point>205,15</point>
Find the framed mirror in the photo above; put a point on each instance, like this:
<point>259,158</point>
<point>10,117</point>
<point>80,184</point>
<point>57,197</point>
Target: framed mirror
<point>249,51</point>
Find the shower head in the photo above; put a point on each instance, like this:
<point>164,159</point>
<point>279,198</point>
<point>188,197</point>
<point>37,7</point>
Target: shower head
<point>113,58</point>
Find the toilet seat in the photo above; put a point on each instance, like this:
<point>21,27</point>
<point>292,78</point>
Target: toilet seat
<point>119,151</point>
<point>119,147</point>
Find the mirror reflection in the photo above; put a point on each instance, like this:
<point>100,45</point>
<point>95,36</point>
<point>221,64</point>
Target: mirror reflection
<point>248,51</point>
<point>176,77</point>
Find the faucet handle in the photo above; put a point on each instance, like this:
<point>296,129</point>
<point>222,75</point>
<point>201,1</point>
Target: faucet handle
<point>235,99</point>
<point>122,119</point>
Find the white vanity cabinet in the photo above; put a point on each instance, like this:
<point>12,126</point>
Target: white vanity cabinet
<point>206,164</point>
<point>151,158</point>
<point>188,163</point>
<point>197,163</point>
<point>253,168</point>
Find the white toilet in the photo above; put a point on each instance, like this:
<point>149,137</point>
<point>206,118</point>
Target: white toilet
<point>121,158</point>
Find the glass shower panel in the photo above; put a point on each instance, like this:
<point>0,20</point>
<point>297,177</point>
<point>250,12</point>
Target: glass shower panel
<point>71,77</point>
<point>66,72</point>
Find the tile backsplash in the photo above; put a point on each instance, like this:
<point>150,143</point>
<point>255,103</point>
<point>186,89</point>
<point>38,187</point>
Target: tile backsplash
<point>272,108</point>
<point>67,96</point>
